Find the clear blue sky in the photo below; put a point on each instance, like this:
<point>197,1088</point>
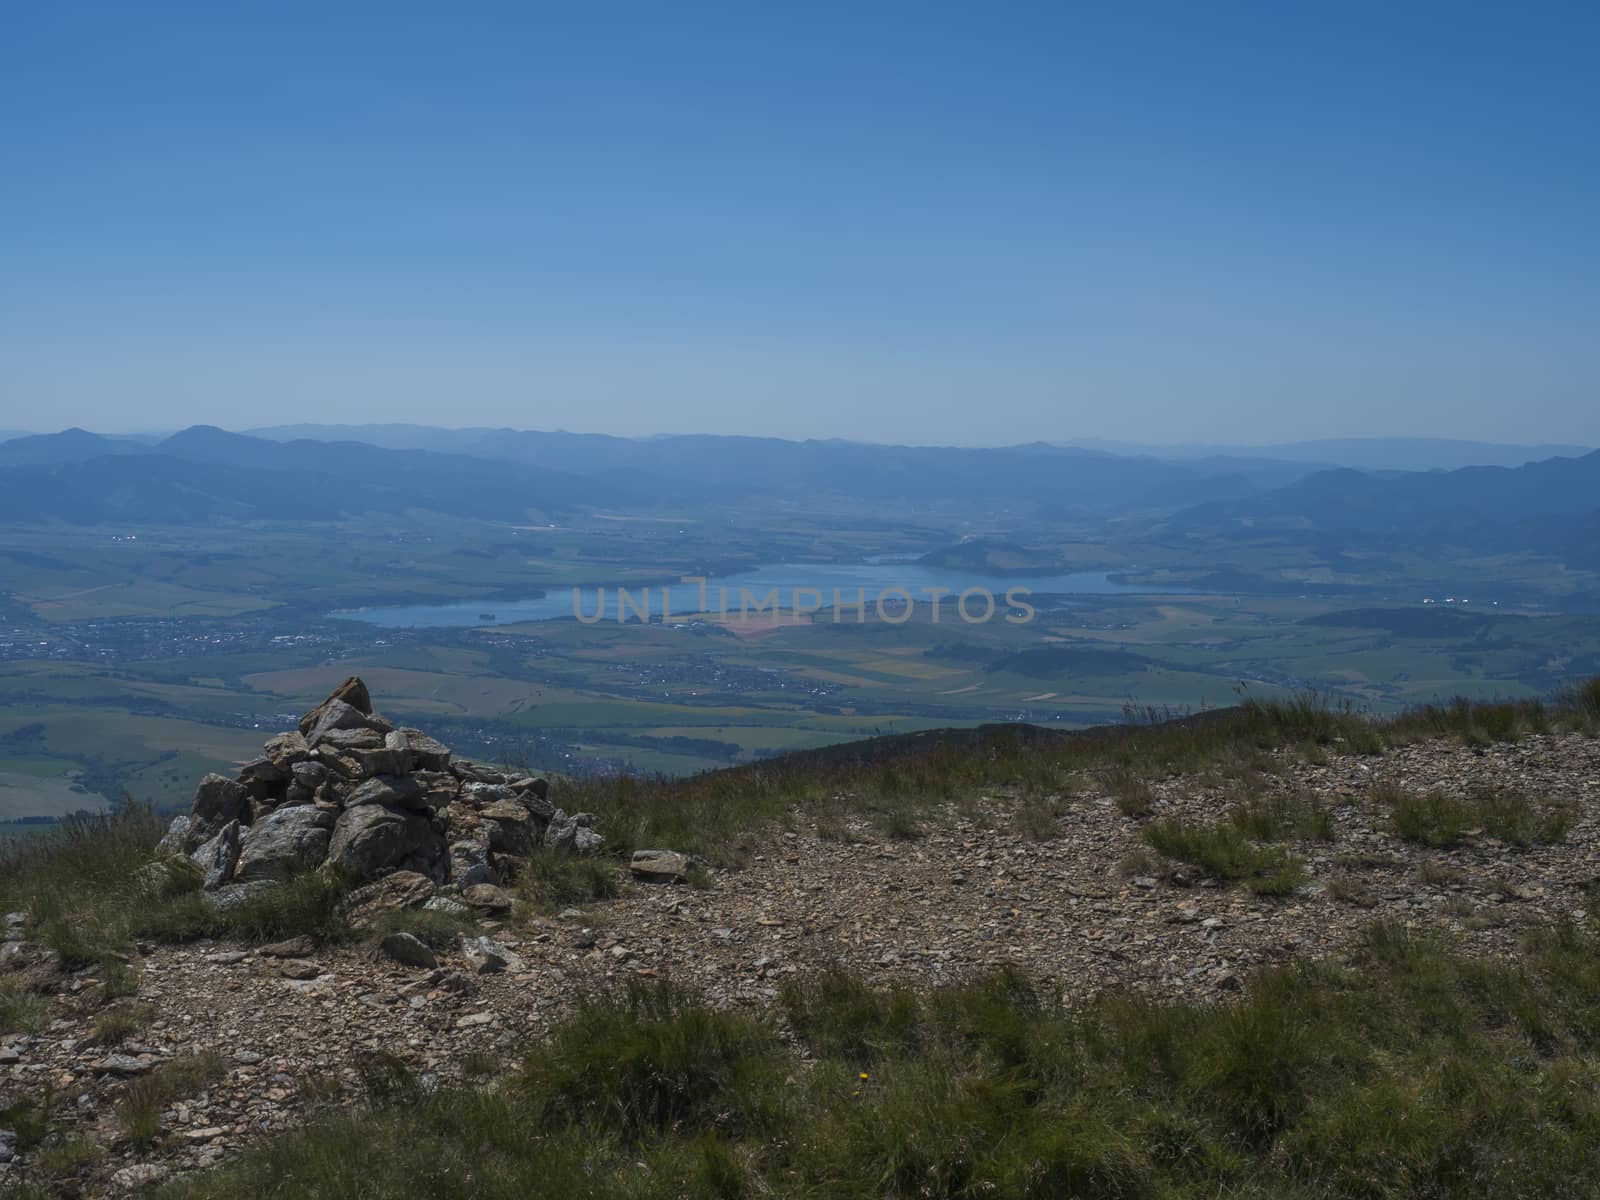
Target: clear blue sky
<point>968,223</point>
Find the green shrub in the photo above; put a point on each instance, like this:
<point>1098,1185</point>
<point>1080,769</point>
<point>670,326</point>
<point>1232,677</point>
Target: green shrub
<point>1432,818</point>
<point>653,1060</point>
<point>1275,817</point>
<point>1224,851</point>
<point>558,878</point>
<point>440,930</point>
<point>1440,820</point>
<point>148,1096</point>
<point>20,1010</point>
<point>838,1016</point>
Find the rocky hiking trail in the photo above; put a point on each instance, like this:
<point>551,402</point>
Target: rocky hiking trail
<point>1080,905</point>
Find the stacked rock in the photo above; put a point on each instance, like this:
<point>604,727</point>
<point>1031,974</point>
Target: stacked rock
<point>349,792</point>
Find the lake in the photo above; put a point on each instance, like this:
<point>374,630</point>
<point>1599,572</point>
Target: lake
<point>873,579</point>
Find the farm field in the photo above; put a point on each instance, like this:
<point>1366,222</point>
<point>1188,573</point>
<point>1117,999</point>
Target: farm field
<point>136,664</point>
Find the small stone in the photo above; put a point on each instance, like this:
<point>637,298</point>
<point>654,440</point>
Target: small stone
<point>486,897</point>
<point>295,947</point>
<point>122,1064</point>
<point>298,968</point>
<point>401,890</point>
<point>140,1175</point>
<point>487,956</point>
<point>410,950</point>
<point>474,1019</point>
<point>659,866</point>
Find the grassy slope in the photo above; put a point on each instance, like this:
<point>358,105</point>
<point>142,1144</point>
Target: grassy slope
<point>1402,1070</point>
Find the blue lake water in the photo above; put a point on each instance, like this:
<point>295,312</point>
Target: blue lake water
<point>815,581</point>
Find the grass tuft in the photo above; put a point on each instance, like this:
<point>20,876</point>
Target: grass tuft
<point>1223,850</point>
<point>148,1096</point>
<point>555,879</point>
<point>1441,820</point>
<point>653,1060</point>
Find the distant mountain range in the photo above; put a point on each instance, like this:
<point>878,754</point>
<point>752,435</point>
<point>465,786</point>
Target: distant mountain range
<point>207,475</point>
<point>703,466</point>
<point>1363,454</point>
<point>560,471</point>
<point>1551,506</point>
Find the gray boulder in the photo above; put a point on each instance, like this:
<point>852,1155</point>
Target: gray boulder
<point>352,693</point>
<point>285,842</point>
<point>575,833</point>
<point>477,793</point>
<point>351,739</point>
<point>336,715</point>
<point>310,774</point>
<point>286,749</point>
<point>180,837</point>
<point>218,857</point>
<point>392,893</point>
<point>374,839</point>
<point>263,779</point>
<point>487,898</point>
<point>234,894</point>
<point>537,805</point>
<point>510,828</point>
<point>440,788</point>
<point>386,759</point>
<point>527,783</point>
<point>469,860</point>
<point>401,791</point>
<point>426,753</point>
<point>218,800</point>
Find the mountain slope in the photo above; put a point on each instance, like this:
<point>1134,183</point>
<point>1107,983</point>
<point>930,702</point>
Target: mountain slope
<point>205,475</point>
<point>1550,505</point>
<point>1364,454</point>
<point>70,445</point>
<point>705,467</point>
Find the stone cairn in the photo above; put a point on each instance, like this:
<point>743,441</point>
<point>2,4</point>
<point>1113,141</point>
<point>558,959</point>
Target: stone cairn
<point>349,793</point>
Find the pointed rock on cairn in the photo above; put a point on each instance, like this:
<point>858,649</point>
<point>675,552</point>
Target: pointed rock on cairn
<point>349,791</point>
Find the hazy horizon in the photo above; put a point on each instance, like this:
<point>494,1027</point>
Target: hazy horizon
<point>910,224</point>
<point>1107,445</point>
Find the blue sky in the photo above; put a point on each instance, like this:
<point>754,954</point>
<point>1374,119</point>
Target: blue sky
<point>900,222</point>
